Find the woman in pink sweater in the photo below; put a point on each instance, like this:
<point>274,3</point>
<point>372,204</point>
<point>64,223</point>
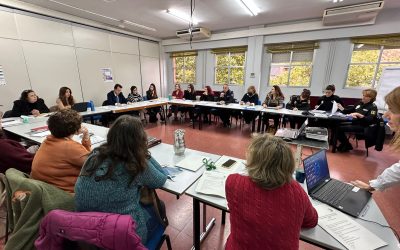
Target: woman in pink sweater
<point>267,208</point>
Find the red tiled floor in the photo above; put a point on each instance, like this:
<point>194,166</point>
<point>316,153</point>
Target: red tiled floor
<point>233,141</point>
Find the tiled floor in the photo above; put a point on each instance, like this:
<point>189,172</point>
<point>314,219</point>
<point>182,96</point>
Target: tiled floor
<point>233,141</point>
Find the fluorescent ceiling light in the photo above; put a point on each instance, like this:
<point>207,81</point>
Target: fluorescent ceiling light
<point>182,16</point>
<point>138,25</point>
<point>335,1</point>
<point>106,17</point>
<point>250,7</point>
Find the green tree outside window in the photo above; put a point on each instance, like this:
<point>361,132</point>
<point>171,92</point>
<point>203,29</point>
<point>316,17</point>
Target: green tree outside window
<point>230,68</point>
<point>184,69</point>
<point>367,64</point>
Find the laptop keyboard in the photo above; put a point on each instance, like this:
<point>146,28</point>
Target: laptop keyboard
<point>333,192</point>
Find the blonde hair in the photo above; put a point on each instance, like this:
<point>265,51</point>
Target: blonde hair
<point>393,101</point>
<point>270,161</point>
<point>252,88</point>
<point>371,93</point>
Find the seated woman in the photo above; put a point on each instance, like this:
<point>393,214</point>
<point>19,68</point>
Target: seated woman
<point>325,102</point>
<point>151,94</point>
<point>250,98</point>
<point>65,99</point>
<point>274,99</point>
<point>176,94</point>
<point>299,102</point>
<point>208,95</point>
<point>134,96</point>
<point>267,207</point>
<point>112,176</point>
<point>59,159</point>
<point>14,155</point>
<point>188,94</point>
<point>362,115</point>
<point>29,104</point>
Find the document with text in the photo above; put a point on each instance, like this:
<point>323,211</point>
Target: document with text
<point>344,229</point>
<point>212,183</point>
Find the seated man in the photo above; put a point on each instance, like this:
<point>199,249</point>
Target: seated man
<point>225,97</point>
<point>116,95</point>
<point>362,115</point>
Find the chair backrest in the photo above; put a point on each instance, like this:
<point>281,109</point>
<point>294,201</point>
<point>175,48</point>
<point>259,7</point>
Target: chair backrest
<point>105,103</point>
<point>7,114</point>
<point>144,98</point>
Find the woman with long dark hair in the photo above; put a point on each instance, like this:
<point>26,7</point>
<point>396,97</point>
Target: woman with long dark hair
<point>29,104</point>
<point>114,173</point>
<point>274,99</point>
<point>65,99</point>
<point>151,94</point>
<point>188,94</point>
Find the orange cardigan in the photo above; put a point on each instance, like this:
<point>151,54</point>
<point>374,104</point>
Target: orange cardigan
<point>59,161</point>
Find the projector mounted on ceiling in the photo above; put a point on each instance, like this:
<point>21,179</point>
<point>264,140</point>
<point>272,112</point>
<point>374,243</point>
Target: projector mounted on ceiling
<point>198,33</point>
<point>352,14</point>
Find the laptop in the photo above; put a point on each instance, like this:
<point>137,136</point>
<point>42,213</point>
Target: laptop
<point>317,133</point>
<point>291,133</point>
<point>80,106</point>
<point>340,195</point>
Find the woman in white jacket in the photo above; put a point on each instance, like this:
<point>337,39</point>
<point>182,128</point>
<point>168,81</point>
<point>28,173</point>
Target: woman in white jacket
<point>391,175</point>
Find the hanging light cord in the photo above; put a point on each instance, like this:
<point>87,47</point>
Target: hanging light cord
<point>192,8</point>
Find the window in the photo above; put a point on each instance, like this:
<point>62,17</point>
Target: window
<point>291,63</point>
<point>184,66</point>
<point>367,64</point>
<point>230,65</point>
<point>291,68</point>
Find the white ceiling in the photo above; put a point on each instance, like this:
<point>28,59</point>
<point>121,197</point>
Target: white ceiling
<point>217,15</point>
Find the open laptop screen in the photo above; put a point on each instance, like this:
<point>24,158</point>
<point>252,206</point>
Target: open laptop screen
<point>316,169</point>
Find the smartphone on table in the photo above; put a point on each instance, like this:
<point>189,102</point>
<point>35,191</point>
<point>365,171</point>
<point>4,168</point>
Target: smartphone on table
<point>229,163</point>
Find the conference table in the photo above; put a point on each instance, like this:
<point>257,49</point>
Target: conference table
<point>187,181</point>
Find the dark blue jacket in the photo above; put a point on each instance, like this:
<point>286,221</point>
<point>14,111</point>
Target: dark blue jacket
<point>112,99</point>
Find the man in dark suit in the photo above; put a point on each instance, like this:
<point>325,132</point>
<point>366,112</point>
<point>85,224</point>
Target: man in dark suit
<point>116,96</point>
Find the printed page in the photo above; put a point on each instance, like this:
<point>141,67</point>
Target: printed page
<point>348,232</point>
<point>212,183</point>
<point>192,162</point>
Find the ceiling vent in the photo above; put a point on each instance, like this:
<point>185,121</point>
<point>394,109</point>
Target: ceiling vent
<point>358,13</point>
<point>197,33</point>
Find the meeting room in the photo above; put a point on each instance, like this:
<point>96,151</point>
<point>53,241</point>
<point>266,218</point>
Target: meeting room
<point>199,124</point>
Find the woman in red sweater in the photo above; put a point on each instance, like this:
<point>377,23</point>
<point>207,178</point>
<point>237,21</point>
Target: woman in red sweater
<point>13,154</point>
<point>267,208</point>
<point>176,94</point>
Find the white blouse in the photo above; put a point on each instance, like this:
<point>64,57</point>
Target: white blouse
<point>388,178</point>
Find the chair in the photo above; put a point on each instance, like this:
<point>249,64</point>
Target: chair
<point>7,114</point>
<point>373,135</point>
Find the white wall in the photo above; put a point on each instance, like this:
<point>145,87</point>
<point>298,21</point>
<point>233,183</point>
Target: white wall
<point>45,54</point>
<point>330,63</point>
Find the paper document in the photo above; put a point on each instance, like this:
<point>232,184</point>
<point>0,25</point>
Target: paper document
<point>345,230</point>
<point>212,183</point>
<point>94,139</point>
<point>9,123</point>
<point>192,162</point>
<point>40,134</point>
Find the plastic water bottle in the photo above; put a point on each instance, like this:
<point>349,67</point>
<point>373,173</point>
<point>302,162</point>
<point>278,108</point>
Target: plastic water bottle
<point>92,105</point>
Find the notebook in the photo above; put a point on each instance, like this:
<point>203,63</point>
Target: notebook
<point>340,195</point>
<point>192,162</point>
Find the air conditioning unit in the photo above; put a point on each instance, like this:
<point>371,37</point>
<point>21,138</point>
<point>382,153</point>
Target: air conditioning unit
<point>197,33</point>
<point>358,13</point>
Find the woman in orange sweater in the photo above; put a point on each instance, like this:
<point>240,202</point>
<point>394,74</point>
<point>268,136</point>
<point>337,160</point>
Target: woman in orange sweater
<point>59,159</point>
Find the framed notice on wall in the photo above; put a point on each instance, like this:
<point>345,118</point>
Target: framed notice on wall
<point>2,78</point>
<point>107,75</point>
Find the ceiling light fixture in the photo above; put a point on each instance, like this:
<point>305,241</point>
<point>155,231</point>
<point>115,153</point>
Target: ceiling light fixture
<point>250,7</point>
<point>182,16</point>
<point>120,22</point>
<point>336,1</point>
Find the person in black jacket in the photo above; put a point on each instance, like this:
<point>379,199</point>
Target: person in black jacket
<point>299,102</point>
<point>115,96</point>
<point>362,115</point>
<point>151,94</point>
<point>29,104</point>
<point>188,94</point>
<point>250,99</point>
<point>225,97</point>
<point>325,102</point>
